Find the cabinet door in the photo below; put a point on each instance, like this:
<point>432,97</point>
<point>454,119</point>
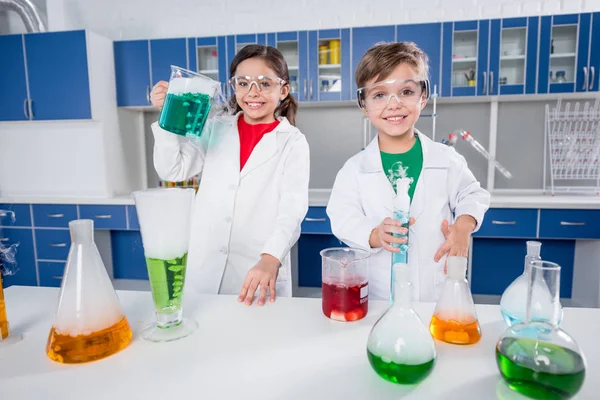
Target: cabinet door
<point>205,57</point>
<point>309,257</point>
<point>429,39</point>
<point>132,73</point>
<point>363,39</point>
<point>595,54</point>
<point>583,73</point>
<point>497,262</point>
<point>558,54</point>
<point>465,58</point>
<point>163,54</point>
<point>13,102</point>
<point>58,75</point>
<point>295,52</point>
<point>26,271</point>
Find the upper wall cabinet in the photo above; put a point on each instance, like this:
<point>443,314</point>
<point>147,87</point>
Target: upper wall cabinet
<point>45,76</point>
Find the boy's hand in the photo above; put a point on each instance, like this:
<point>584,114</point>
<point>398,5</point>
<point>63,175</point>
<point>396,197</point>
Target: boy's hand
<point>457,237</point>
<point>158,94</point>
<point>264,273</point>
<point>381,235</point>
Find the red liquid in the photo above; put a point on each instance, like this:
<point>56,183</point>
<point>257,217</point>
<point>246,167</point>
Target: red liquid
<point>343,302</point>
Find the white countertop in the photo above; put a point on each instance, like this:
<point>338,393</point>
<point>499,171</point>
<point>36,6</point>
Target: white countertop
<point>320,197</point>
<point>283,351</point>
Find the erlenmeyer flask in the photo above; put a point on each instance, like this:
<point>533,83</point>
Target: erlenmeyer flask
<point>536,358</point>
<point>454,319</point>
<point>89,323</point>
<point>165,217</point>
<point>514,299</point>
<point>400,349</point>
<point>7,259</point>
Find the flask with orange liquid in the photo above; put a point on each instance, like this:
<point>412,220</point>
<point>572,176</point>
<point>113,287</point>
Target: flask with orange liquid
<point>89,324</point>
<point>454,319</point>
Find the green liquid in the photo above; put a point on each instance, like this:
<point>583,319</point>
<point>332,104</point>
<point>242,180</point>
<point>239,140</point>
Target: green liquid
<point>558,373</point>
<point>185,114</point>
<point>400,373</point>
<point>167,278</point>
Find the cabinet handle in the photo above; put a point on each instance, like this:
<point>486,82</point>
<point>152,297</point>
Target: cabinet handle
<point>491,82</point>
<point>504,222</point>
<point>315,219</point>
<point>148,94</point>
<point>564,223</point>
<point>31,116</point>
<point>593,70</point>
<point>57,277</point>
<point>103,216</point>
<point>25,109</point>
<point>305,90</point>
<point>56,215</point>
<point>585,78</point>
<point>310,89</point>
<point>58,245</point>
<point>485,83</point>
<point>4,240</point>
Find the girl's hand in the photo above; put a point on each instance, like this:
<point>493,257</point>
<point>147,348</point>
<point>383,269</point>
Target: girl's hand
<point>264,273</point>
<point>381,236</point>
<point>457,237</point>
<point>158,94</point>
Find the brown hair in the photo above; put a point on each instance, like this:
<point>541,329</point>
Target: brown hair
<point>274,59</point>
<point>380,60</point>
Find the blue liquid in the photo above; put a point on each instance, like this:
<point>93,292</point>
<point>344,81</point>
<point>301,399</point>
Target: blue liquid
<point>401,256</point>
<point>509,319</point>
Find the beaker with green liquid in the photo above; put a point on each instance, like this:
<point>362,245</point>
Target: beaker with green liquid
<point>165,221</point>
<point>535,357</point>
<point>188,103</point>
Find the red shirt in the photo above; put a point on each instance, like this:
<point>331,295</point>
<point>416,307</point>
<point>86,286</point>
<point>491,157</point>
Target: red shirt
<point>250,135</point>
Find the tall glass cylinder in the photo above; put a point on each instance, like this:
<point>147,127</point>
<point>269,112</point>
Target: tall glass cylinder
<point>165,220</point>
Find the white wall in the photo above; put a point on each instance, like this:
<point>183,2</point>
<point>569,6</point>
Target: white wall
<point>134,19</point>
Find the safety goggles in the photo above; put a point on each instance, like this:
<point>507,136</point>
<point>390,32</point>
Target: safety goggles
<point>407,92</point>
<point>264,83</point>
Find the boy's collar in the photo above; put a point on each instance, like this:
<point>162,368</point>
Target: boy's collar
<point>371,161</point>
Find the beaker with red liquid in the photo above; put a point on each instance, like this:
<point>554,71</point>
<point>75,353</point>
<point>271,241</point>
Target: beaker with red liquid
<point>345,273</point>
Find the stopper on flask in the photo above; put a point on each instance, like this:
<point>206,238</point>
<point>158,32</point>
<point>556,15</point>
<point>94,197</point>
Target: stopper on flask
<point>534,248</point>
<point>457,267</point>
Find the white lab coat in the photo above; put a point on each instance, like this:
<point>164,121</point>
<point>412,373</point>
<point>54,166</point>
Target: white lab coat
<point>238,215</point>
<point>362,198</point>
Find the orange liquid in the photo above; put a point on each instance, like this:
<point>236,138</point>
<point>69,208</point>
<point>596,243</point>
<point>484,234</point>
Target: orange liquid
<point>454,332</point>
<point>84,348</point>
<point>3,317</point>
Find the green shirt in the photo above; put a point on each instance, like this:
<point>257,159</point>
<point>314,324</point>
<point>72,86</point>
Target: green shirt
<point>404,165</point>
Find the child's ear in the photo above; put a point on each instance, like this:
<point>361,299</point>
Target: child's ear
<point>285,90</point>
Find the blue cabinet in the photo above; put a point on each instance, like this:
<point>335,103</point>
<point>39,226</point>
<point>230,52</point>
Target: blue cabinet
<point>363,39</point>
<point>572,224</point>
<point>429,39</point>
<point>128,255</point>
<point>329,70</point>
<point>58,75</point>
<point>21,215</point>
<point>294,48</point>
<point>309,257</point>
<point>163,54</point>
<point>132,72</point>
<point>509,222</point>
<point>52,244</point>
<point>564,50</point>
<point>105,216</point>
<point>497,262</point>
<point>51,273</point>
<point>25,273</point>
<point>13,102</point>
<point>53,215</point>
<point>51,69</point>
<point>465,58</point>
<point>594,61</point>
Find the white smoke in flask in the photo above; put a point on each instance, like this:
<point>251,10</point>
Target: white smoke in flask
<point>8,261</point>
